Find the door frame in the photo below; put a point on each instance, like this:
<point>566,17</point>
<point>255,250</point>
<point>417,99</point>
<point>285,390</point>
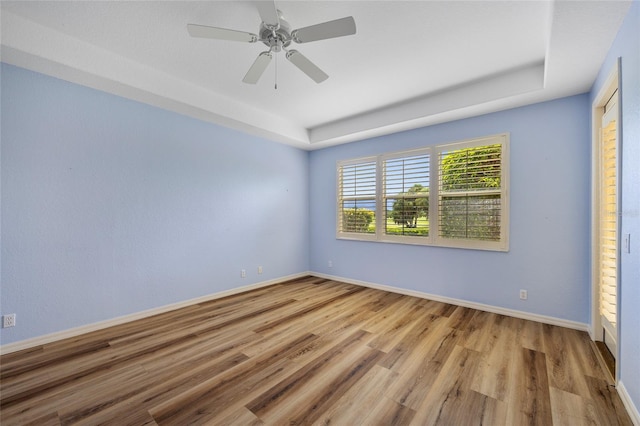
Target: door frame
<point>597,112</point>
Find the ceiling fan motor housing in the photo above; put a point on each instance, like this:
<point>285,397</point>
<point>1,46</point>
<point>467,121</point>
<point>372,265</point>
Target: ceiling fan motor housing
<point>282,36</point>
<point>275,32</point>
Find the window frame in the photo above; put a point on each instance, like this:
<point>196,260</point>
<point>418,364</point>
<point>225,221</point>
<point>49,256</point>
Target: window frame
<point>434,238</point>
<point>380,226</point>
<point>354,235</point>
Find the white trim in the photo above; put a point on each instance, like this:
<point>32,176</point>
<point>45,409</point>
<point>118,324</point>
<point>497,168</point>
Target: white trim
<point>339,198</point>
<point>73,332</point>
<point>628,403</point>
<point>597,112</point>
<point>503,243</point>
<point>64,334</point>
<point>460,302</point>
<point>53,337</point>
<point>433,153</point>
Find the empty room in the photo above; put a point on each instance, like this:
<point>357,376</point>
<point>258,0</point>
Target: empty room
<point>320,212</point>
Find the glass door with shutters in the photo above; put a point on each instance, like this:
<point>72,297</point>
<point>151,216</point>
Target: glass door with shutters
<point>608,224</point>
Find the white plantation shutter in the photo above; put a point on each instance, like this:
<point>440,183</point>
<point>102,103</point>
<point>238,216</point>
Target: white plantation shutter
<point>608,224</point>
<point>471,193</point>
<point>357,197</point>
<point>453,195</point>
<point>406,195</point>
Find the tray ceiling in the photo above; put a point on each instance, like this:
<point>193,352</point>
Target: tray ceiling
<point>410,64</point>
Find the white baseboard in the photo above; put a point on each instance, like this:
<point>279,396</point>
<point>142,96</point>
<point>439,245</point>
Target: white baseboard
<point>49,338</point>
<point>624,395</point>
<point>64,334</point>
<point>73,332</point>
<point>628,403</point>
<point>465,303</point>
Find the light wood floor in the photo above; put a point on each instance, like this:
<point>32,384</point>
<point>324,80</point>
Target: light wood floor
<point>313,351</point>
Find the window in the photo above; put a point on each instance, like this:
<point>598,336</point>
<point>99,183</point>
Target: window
<point>406,194</point>
<point>453,195</point>
<point>357,204</point>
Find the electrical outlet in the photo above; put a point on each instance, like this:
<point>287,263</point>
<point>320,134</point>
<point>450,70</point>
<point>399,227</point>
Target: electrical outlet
<point>259,269</point>
<point>523,294</point>
<point>243,273</point>
<point>9,320</point>
<point>331,264</point>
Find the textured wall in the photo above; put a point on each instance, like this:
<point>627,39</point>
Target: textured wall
<point>549,229</point>
<point>627,47</point>
<point>111,207</point>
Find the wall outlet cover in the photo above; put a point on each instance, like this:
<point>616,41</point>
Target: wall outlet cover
<point>9,320</point>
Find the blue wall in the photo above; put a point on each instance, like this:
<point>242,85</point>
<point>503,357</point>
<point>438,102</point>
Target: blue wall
<point>550,219</point>
<point>627,47</point>
<point>111,207</point>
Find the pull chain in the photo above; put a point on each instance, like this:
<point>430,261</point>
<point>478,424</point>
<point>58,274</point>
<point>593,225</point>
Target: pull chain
<point>276,83</point>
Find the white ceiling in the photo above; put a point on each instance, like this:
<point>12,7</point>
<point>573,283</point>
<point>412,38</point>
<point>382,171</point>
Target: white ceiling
<point>410,64</point>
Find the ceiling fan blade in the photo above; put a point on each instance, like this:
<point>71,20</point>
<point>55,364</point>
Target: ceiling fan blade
<point>268,12</point>
<point>306,66</point>
<point>331,29</point>
<point>204,31</point>
<point>258,67</point>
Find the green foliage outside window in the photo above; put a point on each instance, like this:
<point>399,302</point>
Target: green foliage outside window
<point>462,187</point>
<point>472,168</point>
<point>410,214</point>
<point>406,211</point>
<point>466,209</point>
<point>356,220</point>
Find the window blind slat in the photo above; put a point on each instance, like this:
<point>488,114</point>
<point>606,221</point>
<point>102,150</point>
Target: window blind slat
<point>470,195</point>
<point>406,196</point>
<point>465,180</point>
<point>608,238</point>
<point>357,183</point>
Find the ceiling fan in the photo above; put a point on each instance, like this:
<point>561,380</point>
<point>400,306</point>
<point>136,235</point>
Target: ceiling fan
<point>276,33</point>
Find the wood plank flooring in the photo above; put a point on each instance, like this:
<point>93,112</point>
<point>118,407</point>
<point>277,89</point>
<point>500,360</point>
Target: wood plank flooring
<point>313,351</point>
